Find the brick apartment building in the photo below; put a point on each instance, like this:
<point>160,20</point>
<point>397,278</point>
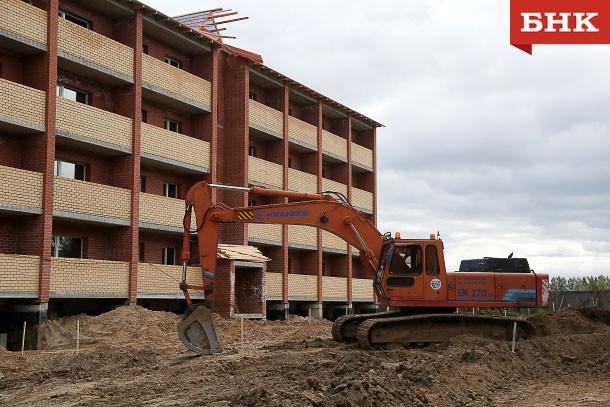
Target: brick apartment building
<point>109,112</point>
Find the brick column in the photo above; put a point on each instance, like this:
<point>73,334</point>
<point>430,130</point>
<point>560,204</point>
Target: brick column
<point>319,174</point>
<point>49,86</point>
<point>224,288</point>
<point>349,197</point>
<point>284,259</point>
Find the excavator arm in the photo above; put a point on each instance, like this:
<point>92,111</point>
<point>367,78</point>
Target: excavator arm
<point>323,211</point>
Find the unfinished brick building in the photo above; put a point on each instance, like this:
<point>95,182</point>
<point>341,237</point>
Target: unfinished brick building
<point>109,112</point>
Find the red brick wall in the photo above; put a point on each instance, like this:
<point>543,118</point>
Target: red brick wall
<point>8,235</point>
<point>11,150</point>
<point>154,244</point>
<point>157,114</point>
<point>303,262</point>
<point>156,177</point>
<point>358,269</point>
<point>100,24</point>
<point>11,67</point>
<point>160,50</point>
<point>99,96</point>
<point>335,265</point>
<point>248,290</point>
<point>102,242</point>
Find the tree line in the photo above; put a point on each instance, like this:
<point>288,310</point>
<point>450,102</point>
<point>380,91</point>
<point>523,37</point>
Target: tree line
<point>589,283</point>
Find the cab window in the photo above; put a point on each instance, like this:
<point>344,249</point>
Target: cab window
<point>432,266</point>
<point>407,260</point>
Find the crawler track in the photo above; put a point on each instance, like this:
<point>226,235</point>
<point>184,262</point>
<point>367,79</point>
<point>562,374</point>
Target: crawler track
<point>345,327</point>
<point>428,328</point>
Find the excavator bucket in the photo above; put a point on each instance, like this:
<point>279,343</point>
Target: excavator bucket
<point>196,330</point>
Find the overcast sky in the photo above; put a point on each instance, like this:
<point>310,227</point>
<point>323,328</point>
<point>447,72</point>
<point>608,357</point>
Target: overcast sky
<point>499,150</point>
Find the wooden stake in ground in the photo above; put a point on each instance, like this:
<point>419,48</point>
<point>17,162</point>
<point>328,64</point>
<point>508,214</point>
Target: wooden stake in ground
<point>23,338</point>
<point>77,335</point>
<point>514,335</point>
<point>242,334</point>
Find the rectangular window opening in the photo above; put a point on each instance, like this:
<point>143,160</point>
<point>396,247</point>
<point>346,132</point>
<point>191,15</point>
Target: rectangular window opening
<point>252,95</point>
<point>67,246</point>
<point>66,15</point>
<point>170,190</point>
<point>73,94</point>
<point>169,256</point>
<point>173,61</point>
<point>71,170</point>
<point>171,125</point>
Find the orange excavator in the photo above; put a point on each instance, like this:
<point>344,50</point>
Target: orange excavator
<point>409,275</point>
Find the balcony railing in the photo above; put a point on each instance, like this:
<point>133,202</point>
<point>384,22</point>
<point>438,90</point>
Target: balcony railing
<point>161,280</point>
<point>303,132</point>
<point>330,185</point>
<point>266,118</point>
<point>334,288</point>
<point>19,275</point>
<point>173,81</point>
<point>22,105</point>
<point>82,199</point>
<point>20,190</point>
<point>88,278</point>
<point>157,210</point>
<point>362,199</point>
<point>331,241</point>
<point>20,18</point>
<point>175,146</point>
<point>95,50</point>
<point>362,156</point>
<point>362,289</point>
<point>265,172</point>
<point>303,235</point>
<point>263,232</point>
<point>274,285</point>
<point>103,127</point>
<point>302,286</point>
<point>302,181</point>
<point>335,145</point>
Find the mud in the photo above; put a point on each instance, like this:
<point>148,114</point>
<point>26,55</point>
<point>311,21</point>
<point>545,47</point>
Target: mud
<point>132,356</point>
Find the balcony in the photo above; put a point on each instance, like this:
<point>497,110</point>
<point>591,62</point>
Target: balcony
<point>362,290</point>
<point>362,157</point>
<point>84,278</point>
<point>303,133</point>
<point>330,185</point>
<point>265,173</point>
<point>266,119</point>
<point>362,200</point>
<point>22,110</point>
<point>175,149</point>
<point>305,237</point>
<point>334,289</point>
<point>161,281</point>
<point>19,276</point>
<point>24,25</point>
<point>175,87</point>
<point>265,233</point>
<point>302,287</point>
<point>274,286</point>
<point>302,181</point>
<point>162,213</point>
<point>334,146</point>
<point>80,122</point>
<point>333,243</point>
<point>91,202</point>
<point>20,191</point>
<point>86,52</point>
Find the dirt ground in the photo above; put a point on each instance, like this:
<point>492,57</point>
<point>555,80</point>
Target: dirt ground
<point>132,356</point>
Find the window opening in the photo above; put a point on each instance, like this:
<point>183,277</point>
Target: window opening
<point>141,252</point>
<point>252,95</point>
<point>145,116</point>
<point>432,266</point>
<point>73,94</point>
<point>252,150</point>
<point>171,125</point>
<point>173,61</point>
<point>142,183</point>
<point>170,190</point>
<point>169,256</point>
<point>67,246</point>
<point>66,15</point>
<point>144,49</point>
<point>252,202</point>
<point>69,169</point>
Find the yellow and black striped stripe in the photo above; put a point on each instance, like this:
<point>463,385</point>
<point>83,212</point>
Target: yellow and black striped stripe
<point>245,215</point>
